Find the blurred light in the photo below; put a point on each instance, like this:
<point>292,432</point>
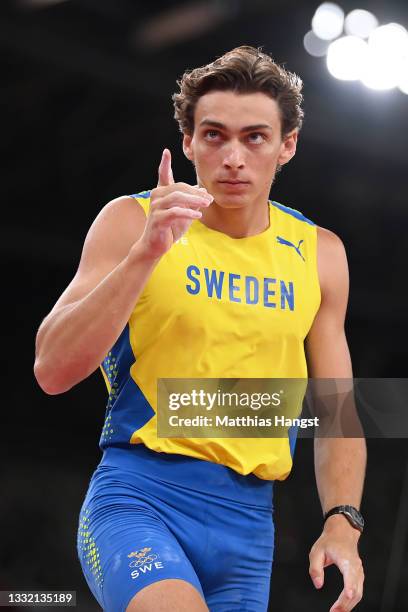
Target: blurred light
<point>403,84</point>
<point>390,40</point>
<point>360,23</point>
<point>315,46</point>
<point>379,74</point>
<point>387,57</point>
<point>403,77</point>
<point>38,4</point>
<point>346,58</point>
<point>380,63</point>
<point>180,23</point>
<point>327,22</point>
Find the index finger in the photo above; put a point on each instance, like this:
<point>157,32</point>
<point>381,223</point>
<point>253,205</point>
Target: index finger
<point>165,170</point>
<point>316,567</point>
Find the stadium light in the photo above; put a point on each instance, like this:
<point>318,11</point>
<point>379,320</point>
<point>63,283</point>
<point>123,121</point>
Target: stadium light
<point>403,83</point>
<point>387,57</point>
<point>360,23</point>
<point>328,20</point>
<point>375,55</point>
<point>347,58</point>
<point>391,39</point>
<point>314,45</point>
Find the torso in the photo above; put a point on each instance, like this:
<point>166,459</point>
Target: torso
<point>218,307</point>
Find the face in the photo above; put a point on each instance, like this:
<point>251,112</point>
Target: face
<point>237,145</point>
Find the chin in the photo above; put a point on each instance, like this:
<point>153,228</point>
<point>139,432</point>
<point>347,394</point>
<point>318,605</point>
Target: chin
<point>231,201</point>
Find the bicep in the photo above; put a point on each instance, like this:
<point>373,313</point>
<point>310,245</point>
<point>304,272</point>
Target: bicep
<point>116,228</point>
<point>326,345</point>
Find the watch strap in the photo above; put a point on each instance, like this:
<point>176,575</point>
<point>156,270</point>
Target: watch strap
<point>351,513</point>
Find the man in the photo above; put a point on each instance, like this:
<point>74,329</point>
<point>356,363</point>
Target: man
<point>162,291</point>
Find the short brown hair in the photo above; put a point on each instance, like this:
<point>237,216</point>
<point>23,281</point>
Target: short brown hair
<point>242,70</point>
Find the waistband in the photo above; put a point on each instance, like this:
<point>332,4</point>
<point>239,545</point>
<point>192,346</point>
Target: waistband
<point>192,473</point>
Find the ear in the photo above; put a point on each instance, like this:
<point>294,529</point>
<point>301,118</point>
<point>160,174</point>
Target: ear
<point>187,146</point>
<point>288,147</point>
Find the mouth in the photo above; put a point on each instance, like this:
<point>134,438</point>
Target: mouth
<point>234,186</point>
<point>234,182</point>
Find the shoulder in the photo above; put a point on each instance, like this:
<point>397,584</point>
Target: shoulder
<point>125,205</point>
<point>121,212</point>
<point>291,213</point>
<point>116,227</point>
<point>331,261</point>
<point>329,244</point>
<point>142,200</point>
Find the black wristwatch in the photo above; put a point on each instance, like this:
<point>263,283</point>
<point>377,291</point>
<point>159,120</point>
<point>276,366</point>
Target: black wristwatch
<point>353,516</point>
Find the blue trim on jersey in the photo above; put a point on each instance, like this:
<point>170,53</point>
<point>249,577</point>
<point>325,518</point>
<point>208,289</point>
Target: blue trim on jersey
<point>290,211</point>
<point>293,212</point>
<point>292,435</point>
<point>143,194</point>
<point>127,409</point>
<point>117,363</point>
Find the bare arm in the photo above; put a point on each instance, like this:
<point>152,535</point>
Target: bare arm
<point>92,312</point>
<point>120,251</point>
<point>339,462</point>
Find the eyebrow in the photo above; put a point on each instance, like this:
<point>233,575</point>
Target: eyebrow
<point>247,128</point>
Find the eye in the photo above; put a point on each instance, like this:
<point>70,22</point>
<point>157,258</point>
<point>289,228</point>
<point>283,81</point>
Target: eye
<point>256,137</point>
<point>211,134</point>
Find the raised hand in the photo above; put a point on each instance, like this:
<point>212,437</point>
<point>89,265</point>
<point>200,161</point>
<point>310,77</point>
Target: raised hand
<point>173,207</point>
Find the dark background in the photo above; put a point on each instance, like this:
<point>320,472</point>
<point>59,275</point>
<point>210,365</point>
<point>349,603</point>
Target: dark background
<point>86,112</point>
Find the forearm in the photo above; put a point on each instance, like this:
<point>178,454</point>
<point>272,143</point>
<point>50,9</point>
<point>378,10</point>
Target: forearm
<point>73,341</point>
<point>340,469</point>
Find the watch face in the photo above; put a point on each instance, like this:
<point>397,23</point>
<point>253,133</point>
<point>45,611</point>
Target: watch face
<point>355,517</point>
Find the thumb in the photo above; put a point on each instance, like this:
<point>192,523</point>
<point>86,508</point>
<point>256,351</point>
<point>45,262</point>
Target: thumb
<point>316,568</point>
<point>165,171</point>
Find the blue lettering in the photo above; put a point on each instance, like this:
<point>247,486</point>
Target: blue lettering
<point>251,280</point>
<point>233,288</point>
<point>196,271</point>
<point>214,283</point>
<point>289,295</point>
<point>268,292</point>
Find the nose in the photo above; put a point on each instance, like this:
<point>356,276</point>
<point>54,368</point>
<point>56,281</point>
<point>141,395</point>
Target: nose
<point>234,156</point>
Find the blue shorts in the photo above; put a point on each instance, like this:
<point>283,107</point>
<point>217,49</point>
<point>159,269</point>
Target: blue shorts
<point>151,516</point>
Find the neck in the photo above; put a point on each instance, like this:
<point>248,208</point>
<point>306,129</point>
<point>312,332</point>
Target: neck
<point>237,222</point>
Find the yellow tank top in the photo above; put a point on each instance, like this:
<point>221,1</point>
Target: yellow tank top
<point>216,307</point>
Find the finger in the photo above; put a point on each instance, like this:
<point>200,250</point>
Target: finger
<point>200,188</point>
<point>353,587</point>
<point>165,170</point>
<point>180,198</point>
<point>160,191</point>
<point>347,601</point>
<point>177,213</point>
<point>316,567</point>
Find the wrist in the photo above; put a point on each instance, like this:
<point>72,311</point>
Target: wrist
<point>338,523</point>
<point>141,254</point>
<point>350,513</point>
